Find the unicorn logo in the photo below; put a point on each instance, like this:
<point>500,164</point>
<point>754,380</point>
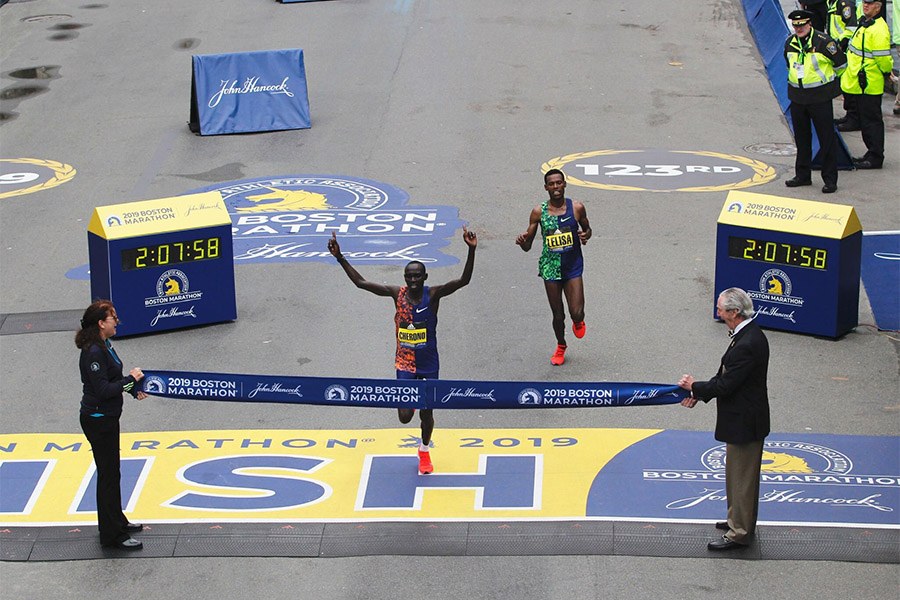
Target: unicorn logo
<point>778,462</point>
<point>172,286</point>
<point>154,384</point>
<point>529,396</point>
<point>287,201</point>
<point>775,282</point>
<point>336,393</point>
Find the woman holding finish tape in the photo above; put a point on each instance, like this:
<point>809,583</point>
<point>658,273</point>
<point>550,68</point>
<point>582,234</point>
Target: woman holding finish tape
<point>101,407</point>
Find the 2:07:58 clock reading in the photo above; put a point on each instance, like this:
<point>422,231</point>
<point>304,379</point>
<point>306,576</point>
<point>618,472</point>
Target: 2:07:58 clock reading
<point>171,253</point>
<point>782,253</point>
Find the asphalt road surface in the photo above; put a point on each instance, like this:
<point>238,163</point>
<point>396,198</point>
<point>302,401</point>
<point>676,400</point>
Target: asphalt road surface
<point>458,103</point>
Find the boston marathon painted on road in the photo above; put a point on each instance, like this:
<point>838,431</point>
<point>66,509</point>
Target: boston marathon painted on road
<point>289,217</point>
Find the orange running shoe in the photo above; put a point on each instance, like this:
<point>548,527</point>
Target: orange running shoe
<point>578,329</point>
<point>425,466</point>
<point>559,357</point>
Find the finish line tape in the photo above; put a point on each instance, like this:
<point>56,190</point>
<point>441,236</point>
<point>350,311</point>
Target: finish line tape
<point>404,393</point>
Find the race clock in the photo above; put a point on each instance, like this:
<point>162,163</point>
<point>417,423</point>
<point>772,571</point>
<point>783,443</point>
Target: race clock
<point>172,253</point>
<point>762,250</point>
<point>799,260</point>
<point>165,263</point>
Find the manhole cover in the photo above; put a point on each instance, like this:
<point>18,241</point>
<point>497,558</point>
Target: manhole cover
<point>772,149</point>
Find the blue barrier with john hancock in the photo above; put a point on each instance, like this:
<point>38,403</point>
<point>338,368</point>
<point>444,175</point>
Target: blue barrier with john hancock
<point>249,91</point>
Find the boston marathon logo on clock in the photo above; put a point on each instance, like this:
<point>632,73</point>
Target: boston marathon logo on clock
<point>173,287</point>
<point>289,218</point>
<point>775,288</point>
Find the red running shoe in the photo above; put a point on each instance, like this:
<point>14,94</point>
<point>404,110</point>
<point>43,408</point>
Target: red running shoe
<point>559,357</point>
<point>425,466</point>
<point>578,329</point>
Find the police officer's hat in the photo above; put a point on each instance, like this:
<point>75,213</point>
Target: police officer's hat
<point>800,17</point>
<point>870,1</point>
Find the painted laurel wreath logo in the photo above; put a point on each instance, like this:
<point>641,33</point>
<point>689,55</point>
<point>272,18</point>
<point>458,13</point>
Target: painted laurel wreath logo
<point>762,173</point>
<point>61,174</point>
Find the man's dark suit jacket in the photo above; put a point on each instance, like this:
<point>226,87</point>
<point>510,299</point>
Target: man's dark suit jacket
<point>742,409</point>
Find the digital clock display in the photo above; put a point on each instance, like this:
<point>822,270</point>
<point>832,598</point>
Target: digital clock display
<point>171,253</point>
<point>781,253</point>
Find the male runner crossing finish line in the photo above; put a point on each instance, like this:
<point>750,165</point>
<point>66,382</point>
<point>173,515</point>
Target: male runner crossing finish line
<point>416,326</point>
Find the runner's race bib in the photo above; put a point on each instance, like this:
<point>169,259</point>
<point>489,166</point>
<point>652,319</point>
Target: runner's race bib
<point>411,335</point>
<point>560,241</point>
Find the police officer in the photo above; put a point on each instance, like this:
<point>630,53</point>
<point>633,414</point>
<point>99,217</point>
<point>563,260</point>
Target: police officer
<point>813,61</point>
<point>841,21</point>
<point>842,18</point>
<point>868,62</point>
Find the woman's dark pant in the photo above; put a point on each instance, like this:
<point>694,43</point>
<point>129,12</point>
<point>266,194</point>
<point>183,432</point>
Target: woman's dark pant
<point>103,435</point>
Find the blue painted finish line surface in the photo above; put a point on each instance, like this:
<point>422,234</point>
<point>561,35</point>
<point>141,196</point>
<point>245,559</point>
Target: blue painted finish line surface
<point>393,393</point>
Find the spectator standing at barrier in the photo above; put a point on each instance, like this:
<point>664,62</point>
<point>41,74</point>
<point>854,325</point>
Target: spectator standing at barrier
<point>869,61</point>
<point>814,62</point>
<point>101,407</point>
<point>415,326</point>
<point>742,414</point>
<point>564,228</point>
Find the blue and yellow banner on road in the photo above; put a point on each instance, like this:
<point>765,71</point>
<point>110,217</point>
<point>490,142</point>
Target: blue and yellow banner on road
<point>480,474</point>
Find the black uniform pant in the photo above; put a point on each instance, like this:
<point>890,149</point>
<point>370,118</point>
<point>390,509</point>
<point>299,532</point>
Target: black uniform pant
<point>103,435</point>
<point>871,124</point>
<point>804,117</point>
<point>852,113</point>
